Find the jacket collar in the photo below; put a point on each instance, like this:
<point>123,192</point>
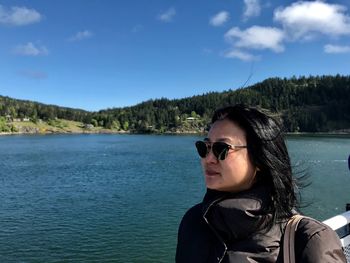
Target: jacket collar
<point>236,216</point>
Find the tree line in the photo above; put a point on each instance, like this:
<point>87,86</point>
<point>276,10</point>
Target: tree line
<point>304,104</point>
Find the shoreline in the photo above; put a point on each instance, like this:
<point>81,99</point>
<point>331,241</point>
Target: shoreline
<point>102,131</point>
<point>63,132</point>
<point>61,126</point>
<point>105,131</point>
<point>319,134</point>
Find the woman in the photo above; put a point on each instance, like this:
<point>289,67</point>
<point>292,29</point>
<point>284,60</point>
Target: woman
<point>250,197</point>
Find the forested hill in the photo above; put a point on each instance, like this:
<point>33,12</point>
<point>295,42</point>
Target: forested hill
<point>305,104</point>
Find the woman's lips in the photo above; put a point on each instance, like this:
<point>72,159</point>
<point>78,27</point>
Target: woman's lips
<point>211,173</point>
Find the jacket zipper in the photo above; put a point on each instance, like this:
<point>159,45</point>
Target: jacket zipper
<point>213,229</point>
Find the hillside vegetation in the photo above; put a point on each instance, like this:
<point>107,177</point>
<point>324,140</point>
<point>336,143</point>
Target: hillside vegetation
<point>305,104</point>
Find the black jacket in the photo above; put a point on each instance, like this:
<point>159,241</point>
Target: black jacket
<point>232,228</point>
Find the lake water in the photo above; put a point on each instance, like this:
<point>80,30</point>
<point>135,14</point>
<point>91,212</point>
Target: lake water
<point>120,198</point>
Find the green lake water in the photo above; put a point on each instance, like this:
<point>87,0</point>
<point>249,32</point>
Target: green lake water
<point>120,198</point>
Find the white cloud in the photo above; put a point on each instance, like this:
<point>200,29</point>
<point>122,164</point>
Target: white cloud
<point>334,49</point>
<point>18,16</point>
<point>251,8</point>
<point>219,19</point>
<point>33,74</point>
<point>242,55</point>
<point>168,15</point>
<point>302,20</point>
<point>81,35</point>
<point>30,49</point>
<point>257,37</point>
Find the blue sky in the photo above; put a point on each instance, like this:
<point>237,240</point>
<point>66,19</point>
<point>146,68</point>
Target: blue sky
<point>98,54</point>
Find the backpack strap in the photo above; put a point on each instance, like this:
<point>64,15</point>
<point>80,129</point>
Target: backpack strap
<point>288,239</point>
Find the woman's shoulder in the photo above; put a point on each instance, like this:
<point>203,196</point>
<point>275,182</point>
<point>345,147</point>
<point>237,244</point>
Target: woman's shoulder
<point>192,214</point>
<point>317,242</point>
<point>308,227</point>
<point>193,224</point>
<point>195,241</point>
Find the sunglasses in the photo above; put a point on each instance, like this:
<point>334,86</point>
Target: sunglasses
<point>220,149</point>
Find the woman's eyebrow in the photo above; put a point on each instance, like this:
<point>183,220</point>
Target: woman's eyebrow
<point>224,139</point>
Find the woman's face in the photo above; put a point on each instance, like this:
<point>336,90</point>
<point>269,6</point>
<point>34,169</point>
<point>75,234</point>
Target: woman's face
<point>236,173</point>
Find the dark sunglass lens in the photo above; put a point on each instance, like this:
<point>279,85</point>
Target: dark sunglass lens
<point>202,149</point>
<point>220,150</point>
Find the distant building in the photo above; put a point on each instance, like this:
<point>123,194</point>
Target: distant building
<point>8,117</point>
<point>21,119</point>
<point>88,126</point>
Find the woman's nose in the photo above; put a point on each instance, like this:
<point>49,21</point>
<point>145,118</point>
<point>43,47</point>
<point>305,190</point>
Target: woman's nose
<point>210,158</point>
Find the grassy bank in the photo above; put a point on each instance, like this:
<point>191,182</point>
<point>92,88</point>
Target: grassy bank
<point>51,127</point>
<point>61,126</point>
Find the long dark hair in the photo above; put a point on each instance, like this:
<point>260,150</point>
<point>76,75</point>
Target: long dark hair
<point>268,152</point>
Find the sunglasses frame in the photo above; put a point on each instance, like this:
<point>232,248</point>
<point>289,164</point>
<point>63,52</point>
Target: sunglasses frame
<point>211,147</point>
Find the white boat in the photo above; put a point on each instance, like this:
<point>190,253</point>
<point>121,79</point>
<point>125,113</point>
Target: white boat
<point>340,224</point>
